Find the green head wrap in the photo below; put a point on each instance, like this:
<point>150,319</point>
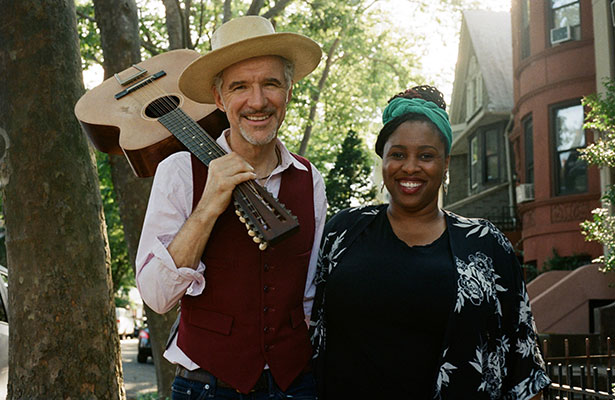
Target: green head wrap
<point>401,105</point>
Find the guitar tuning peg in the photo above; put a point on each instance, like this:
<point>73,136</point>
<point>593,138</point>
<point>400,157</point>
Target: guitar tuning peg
<point>262,246</point>
<point>256,239</point>
<point>242,219</point>
<point>248,226</point>
<point>238,212</point>
<point>252,233</point>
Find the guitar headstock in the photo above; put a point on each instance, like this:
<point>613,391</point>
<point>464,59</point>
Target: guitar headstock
<point>267,220</point>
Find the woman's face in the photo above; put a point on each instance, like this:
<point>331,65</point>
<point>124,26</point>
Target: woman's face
<point>413,166</point>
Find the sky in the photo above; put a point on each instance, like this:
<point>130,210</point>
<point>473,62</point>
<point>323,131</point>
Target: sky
<point>441,33</point>
<point>442,37</point>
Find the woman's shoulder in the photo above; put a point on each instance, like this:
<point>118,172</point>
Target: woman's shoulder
<point>476,228</point>
<point>352,215</point>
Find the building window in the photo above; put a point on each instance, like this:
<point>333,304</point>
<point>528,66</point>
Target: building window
<point>492,155</point>
<point>569,137</point>
<point>565,20</point>
<point>486,156</point>
<point>528,144</point>
<point>474,162</point>
<point>474,89</point>
<point>525,28</point>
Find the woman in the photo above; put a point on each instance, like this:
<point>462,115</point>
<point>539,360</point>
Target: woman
<point>421,303</point>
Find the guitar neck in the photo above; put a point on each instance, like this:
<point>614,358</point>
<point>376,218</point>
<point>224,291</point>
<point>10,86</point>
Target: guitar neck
<point>191,135</point>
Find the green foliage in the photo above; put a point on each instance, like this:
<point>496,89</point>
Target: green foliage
<point>89,36</point>
<point>121,269</point>
<point>565,263</point>
<point>348,183</point>
<point>368,64</point>
<point>601,118</point>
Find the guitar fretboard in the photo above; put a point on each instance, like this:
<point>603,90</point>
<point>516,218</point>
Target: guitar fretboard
<point>192,135</point>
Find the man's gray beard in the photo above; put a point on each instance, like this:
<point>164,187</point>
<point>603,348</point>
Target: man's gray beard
<point>256,142</point>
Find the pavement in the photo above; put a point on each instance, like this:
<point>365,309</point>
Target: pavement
<point>139,379</point>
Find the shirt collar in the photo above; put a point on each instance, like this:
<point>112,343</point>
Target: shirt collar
<point>287,158</point>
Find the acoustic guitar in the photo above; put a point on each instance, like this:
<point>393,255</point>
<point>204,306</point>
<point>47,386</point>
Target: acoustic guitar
<point>141,113</point>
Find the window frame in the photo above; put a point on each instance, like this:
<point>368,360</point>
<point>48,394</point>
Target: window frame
<point>574,29</point>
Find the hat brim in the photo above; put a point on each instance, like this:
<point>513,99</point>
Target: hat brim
<point>196,81</point>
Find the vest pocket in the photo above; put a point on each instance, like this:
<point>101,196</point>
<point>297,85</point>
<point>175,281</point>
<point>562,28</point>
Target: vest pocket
<point>211,320</point>
<point>297,317</point>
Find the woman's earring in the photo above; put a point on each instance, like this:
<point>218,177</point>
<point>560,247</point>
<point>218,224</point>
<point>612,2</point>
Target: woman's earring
<point>445,182</point>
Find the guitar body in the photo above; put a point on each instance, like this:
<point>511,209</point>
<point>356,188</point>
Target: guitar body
<point>122,125</point>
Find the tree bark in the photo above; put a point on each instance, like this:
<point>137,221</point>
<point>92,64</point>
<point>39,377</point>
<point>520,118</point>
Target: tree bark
<point>119,27</point>
<point>174,24</point>
<point>63,340</point>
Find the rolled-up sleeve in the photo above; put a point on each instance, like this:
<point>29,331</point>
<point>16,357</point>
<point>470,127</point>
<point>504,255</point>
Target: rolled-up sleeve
<point>159,281</point>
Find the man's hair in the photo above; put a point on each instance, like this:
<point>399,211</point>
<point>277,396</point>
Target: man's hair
<point>289,71</point>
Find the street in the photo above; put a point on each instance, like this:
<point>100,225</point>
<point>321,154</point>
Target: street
<point>139,379</point>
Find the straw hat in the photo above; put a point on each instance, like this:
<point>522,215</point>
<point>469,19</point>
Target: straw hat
<point>240,39</point>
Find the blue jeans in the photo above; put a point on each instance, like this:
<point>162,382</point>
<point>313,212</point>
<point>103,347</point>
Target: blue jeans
<point>303,388</point>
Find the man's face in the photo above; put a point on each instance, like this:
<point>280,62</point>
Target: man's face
<point>254,94</point>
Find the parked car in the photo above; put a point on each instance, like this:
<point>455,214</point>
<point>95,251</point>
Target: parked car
<point>145,346</point>
<point>125,322</point>
<point>4,332</point>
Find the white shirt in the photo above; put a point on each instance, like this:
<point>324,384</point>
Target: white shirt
<point>159,280</point>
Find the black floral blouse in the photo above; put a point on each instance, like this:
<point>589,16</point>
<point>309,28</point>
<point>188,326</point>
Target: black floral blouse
<point>490,350</point>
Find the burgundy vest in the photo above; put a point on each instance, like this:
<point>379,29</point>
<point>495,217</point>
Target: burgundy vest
<point>251,311</point>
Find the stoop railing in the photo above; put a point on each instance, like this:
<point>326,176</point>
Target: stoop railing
<point>580,377</point>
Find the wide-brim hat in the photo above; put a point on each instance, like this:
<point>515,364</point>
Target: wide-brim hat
<point>240,39</point>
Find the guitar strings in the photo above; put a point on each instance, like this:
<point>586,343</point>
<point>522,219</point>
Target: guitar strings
<point>165,104</point>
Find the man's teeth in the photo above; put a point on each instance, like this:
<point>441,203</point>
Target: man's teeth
<point>410,185</point>
<point>253,118</point>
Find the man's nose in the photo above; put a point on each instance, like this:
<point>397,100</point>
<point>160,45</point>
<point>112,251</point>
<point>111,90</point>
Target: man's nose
<point>257,99</point>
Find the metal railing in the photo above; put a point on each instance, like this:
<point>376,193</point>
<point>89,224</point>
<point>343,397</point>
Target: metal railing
<point>580,377</point>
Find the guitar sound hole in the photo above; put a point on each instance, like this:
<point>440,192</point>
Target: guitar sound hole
<point>162,106</point>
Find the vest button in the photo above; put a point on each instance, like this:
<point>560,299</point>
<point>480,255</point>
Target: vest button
<point>266,267</point>
<point>266,329</point>
<point>265,309</point>
<point>266,289</point>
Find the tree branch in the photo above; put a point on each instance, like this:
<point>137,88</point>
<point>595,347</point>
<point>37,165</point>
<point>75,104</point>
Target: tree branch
<point>277,9</point>
<point>255,7</point>
<point>227,11</point>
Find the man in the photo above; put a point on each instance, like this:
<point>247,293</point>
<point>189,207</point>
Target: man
<point>243,311</point>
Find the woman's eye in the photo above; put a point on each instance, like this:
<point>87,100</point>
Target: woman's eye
<point>426,156</point>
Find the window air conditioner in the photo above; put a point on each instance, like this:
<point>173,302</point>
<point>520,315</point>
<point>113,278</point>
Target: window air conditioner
<point>559,35</point>
<point>525,192</point>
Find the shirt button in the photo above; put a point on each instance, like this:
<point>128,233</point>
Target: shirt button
<point>266,289</point>
<point>265,309</point>
<point>266,329</point>
<point>266,267</point>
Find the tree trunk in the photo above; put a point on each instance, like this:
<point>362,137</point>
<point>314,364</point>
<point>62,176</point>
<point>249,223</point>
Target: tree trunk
<point>316,96</point>
<point>63,340</point>
<point>119,27</point>
<point>174,24</point>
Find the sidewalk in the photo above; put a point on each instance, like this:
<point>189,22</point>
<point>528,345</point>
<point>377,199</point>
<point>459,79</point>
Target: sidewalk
<point>139,379</point>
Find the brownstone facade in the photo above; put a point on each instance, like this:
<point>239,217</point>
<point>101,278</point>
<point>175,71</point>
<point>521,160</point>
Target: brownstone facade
<point>553,67</point>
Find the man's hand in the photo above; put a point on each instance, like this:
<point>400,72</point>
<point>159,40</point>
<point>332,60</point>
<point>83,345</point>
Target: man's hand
<point>224,174</point>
